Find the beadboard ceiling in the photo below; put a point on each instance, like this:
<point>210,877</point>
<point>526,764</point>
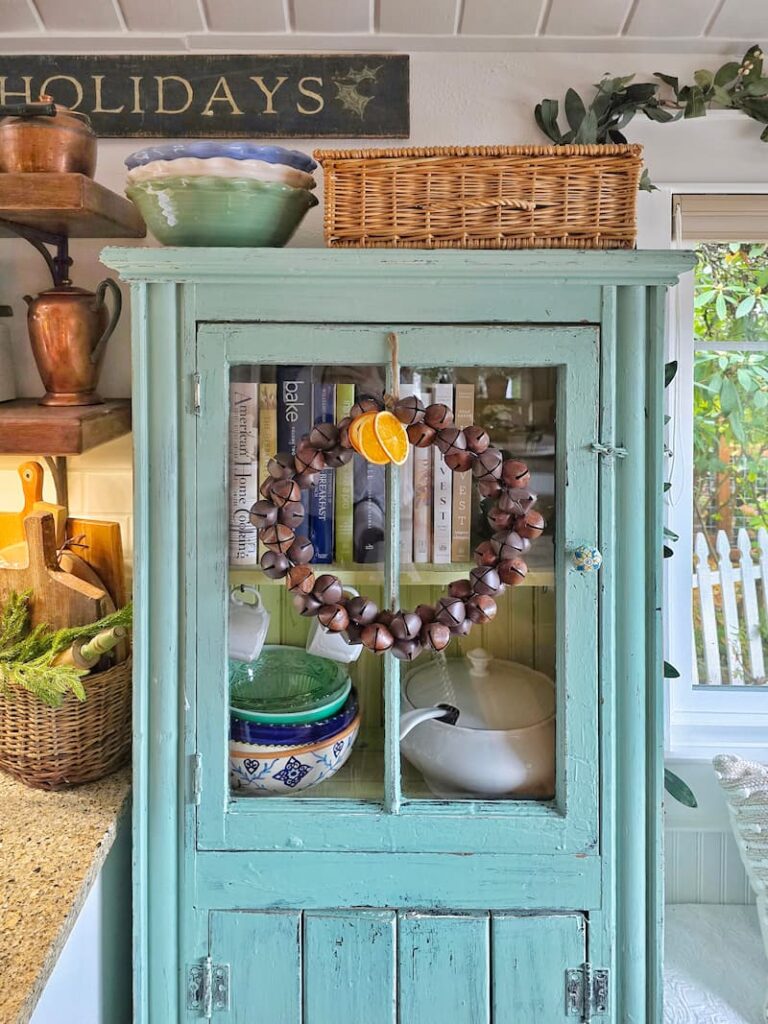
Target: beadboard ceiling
<point>136,26</point>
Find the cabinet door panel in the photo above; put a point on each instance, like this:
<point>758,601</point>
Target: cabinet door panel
<point>530,957</point>
<point>444,969</point>
<point>263,951</point>
<point>349,967</point>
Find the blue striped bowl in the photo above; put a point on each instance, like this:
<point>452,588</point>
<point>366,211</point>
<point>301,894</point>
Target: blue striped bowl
<point>214,147</point>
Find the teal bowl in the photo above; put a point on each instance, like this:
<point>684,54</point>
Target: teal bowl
<point>285,686</point>
<point>220,211</point>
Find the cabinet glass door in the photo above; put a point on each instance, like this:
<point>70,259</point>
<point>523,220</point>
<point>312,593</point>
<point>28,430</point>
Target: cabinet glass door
<point>454,556</point>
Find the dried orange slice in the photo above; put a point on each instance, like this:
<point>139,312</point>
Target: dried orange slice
<point>354,433</point>
<point>392,437</point>
<point>368,443</point>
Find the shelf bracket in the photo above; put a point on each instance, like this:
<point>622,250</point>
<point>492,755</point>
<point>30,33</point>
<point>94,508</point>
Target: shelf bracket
<point>58,264</point>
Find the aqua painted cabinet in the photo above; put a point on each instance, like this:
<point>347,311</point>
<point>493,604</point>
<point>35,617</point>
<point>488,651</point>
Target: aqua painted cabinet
<point>376,895</point>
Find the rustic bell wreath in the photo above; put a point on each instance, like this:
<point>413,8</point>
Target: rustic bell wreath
<point>382,435</point>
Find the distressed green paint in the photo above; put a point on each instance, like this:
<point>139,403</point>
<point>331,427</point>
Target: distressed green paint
<point>444,968</point>
<point>224,877</point>
<point>264,955</point>
<point>350,973</point>
<point>530,956</point>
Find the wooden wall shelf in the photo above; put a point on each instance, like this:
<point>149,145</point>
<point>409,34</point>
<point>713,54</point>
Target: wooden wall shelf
<point>68,204</point>
<point>27,428</point>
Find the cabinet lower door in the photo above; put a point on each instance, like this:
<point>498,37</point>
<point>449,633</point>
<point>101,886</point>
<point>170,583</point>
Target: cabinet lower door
<point>385,967</point>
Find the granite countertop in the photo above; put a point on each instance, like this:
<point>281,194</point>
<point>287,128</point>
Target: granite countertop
<point>52,846</point>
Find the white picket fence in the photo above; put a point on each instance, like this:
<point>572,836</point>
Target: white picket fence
<point>742,589</point>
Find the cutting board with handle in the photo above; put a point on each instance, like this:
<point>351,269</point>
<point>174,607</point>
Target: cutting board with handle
<point>58,598</point>
<point>12,542</point>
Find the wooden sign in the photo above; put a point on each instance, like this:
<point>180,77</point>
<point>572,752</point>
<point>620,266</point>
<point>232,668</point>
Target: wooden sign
<point>234,96</point>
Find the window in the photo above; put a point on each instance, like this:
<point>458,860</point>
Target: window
<point>717,496</point>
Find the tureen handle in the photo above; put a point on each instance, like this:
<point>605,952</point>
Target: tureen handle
<point>444,712</point>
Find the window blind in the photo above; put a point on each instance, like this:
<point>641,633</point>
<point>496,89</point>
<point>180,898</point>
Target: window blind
<point>721,218</point>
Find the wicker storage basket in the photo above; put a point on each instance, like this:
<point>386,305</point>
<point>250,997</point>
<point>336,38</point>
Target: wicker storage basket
<point>81,741</point>
<point>484,197</point>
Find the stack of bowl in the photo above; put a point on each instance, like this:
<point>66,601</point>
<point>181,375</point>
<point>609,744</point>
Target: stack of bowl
<point>294,719</point>
<point>221,193</point>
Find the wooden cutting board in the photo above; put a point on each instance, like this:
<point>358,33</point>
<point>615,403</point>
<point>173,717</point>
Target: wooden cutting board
<point>59,599</point>
<point>12,523</point>
<point>101,546</point>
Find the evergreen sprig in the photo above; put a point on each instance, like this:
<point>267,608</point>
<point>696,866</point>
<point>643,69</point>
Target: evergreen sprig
<point>26,653</point>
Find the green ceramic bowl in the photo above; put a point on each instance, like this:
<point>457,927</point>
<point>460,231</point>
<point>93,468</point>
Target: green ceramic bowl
<point>220,211</point>
<point>285,685</point>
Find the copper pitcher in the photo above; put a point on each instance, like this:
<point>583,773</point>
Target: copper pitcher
<point>69,328</point>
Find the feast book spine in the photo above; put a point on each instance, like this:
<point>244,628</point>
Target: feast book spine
<point>321,495</point>
<point>243,467</point>
<point>294,415</point>
<point>344,499</point>
<point>462,482</point>
<point>442,488</point>
<point>422,498</point>
<point>267,428</point>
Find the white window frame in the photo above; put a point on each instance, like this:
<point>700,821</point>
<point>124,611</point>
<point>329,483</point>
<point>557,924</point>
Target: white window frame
<point>700,722</point>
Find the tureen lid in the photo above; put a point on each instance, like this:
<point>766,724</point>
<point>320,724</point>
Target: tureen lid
<point>490,693</point>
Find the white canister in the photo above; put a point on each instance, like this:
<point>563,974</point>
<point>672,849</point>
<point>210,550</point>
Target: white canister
<point>248,623</point>
<point>7,372</point>
<point>325,644</point>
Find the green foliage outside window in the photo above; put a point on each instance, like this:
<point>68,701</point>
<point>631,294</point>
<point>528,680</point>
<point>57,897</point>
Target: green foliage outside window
<point>731,387</point>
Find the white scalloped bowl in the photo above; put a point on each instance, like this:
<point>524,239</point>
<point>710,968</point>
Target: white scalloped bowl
<point>221,167</point>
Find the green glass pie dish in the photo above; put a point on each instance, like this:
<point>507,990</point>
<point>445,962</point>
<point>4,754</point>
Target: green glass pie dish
<point>220,211</point>
<point>286,685</point>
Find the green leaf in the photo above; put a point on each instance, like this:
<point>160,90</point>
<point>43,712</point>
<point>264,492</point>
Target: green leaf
<point>546,118</point>
<point>745,306</point>
<point>670,672</point>
<point>760,400</point>
<point>703,298</point>
<point>617,137</point>
<point>764,135</point>
<point>679,790</point>
<point>704,79</point>
<point>720,307</point>
<point>746,380</point>
<point>659,114</point>
<point>587,132</point>
<point>729,397</point>
<point>722,96</point>
<point>641,92</point>
<point>695,106</point>
<point>574,109</point>
<point>758,88</point>
<point>727,73</point>
<point>670,369</point>
<point>646,185</point>
<point>670,80</point>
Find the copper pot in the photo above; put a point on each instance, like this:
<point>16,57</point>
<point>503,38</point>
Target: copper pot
<point>69,329</point>
<point>46,137</point>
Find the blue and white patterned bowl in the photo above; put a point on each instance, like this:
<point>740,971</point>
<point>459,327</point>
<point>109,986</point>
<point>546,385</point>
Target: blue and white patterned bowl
<point>256,770</point>
<point>294,734</point>
<point>214,147</point>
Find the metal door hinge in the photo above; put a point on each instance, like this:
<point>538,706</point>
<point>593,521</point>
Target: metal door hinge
<point>197,778</point>
<point>196,390</point>
<point>208,987</point>
<point>586,992</point>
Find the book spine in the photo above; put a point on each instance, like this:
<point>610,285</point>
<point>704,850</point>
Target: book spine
<point>321,495</point>
<point>406,492</point>
<point>370,510</point>
<point>344,499</point>
<point>422,498</point>
<point>294,414</point>
<point>462,482</point>
<point>243,471</point>
<point>442,488</point>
